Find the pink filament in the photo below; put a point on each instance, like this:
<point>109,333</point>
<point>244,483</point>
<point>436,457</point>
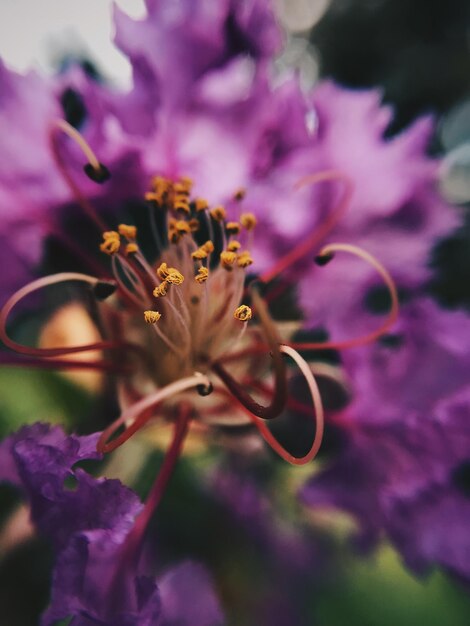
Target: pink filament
<point>317,235</point>
<point>61,126</point>
<point>319,416</point>
<point>140,412</point>
<point>394,309</point>
<point>62,364</point>
<point>35,285</point>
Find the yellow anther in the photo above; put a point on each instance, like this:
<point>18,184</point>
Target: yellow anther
<point>160,184</point>
<point>130,232</point>
<point>110,234</point>
<point>248,221</point>
<point>174,276</point>
<point>233,228</point>
<point>199,254</point>
<point>202,275</point>
<point>244,259</point>
<point>152,317</point>
<point>218,213</point>
<point>151,196</point>
<point>200,204</point>
<point>162,271</point>
<point>111,242</point>
<point>131,248</point>
<point>185,183</point>
<point>208,246</point>
<point>180,189</point>
<point>174,236</point>
<point>243,313</point>
<point>233,246</point>
<point>193,225</point>
<point>181,203</point>
<point>161,290</point>
<point>239,194</point>
<point>227,259</point>
<point>182,227</point>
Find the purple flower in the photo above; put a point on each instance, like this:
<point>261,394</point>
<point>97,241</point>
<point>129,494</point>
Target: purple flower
<point>407,479</point>
<point>201,126</point>
<point>88,523</point>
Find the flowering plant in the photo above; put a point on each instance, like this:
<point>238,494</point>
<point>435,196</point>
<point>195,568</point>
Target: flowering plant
<point>209,228</point>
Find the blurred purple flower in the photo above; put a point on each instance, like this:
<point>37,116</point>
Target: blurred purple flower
<point>203,106</point>
<point>88,523</point>
<point>409,479</point>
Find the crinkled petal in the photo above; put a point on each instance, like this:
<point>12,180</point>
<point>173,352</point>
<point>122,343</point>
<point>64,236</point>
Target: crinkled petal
<point>401,478</point>
<point>188,598</point>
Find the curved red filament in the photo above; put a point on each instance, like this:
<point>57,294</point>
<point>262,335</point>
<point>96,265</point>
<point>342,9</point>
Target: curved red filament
<point>278,401</point>
<point>35,285</point>
<point>306,246</point>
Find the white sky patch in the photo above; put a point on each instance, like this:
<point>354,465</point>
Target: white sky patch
<point>36,33</point>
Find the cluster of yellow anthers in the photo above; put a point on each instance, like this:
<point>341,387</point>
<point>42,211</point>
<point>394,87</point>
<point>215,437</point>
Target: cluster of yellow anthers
<point>112,240</point>
<point>184,219</point>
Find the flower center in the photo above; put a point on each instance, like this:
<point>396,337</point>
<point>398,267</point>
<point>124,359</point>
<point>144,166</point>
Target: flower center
<point>189,293</point>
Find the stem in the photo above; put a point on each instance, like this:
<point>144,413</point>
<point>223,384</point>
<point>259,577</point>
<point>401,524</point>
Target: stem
<point>135,538</point>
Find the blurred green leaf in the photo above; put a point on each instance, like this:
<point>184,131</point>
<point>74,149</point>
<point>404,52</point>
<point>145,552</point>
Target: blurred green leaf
<point>378,591</point>
<point>37,395</point>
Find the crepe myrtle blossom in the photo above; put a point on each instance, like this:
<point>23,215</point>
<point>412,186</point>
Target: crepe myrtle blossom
<point>97,577</point>
<point>200,39</point>
<point>229,180</point>
<point>402,469</point>
<point>407,480</point>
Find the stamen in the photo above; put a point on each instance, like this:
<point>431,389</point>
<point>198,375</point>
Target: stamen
<point>317,235</point>
<point>62,126</point>
<point>208,246</point>
<point>152,317</point>
<point>218,213</point>
<point>193,225</point>
<point>202,275</point>
<point>327,253</point>
<point>279,398</point>
<point>161,290</point>
<point>131,248</point>
<point>319,415</point>
<point>140,412</point>
<point>239,194</point>
<point>200,204</point>
<point>227,259</point>
<point>174,277</point>
<point>99,176</point>
<point>111,242</point>
<point>244,259</point>
<point>233,228</point>
<point>233,246</point>
<point>181,203</point>
<point>243,313</point>
<point>199,254</point>
<point>182,227</point>
<point>248,221</point>
<point>120,265</point>
<point>73,133</point>
<point>130,232</point>
<point>35,285</point>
